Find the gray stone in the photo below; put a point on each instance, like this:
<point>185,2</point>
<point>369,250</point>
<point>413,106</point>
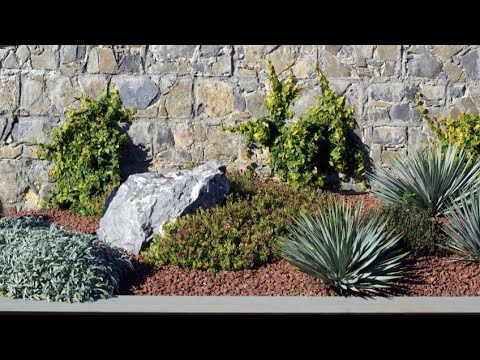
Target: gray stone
<point>182,135</point>
<point>388,69</point>
<point>92,64</point>
<point>433,92</point>
<point>378,116</point>
<point>452,71</point>
<point>143,203</point>
<point>308,98</point>
<point>34,98</point>
<point>426,66</point>
<point>248,84</point>
<point>45,61</point>
<point>388,52</point>
<point>254,104</point>
<point>463,105</point>
<point>68,53</point>
<point>11,62</point>
<point>136,91</point>
<point>399,112</point>
<point>362,54</point>
<point>411,91</point>
<point>222,66</point>
<point>32,129</point>
<point>62,93</point>
<point>333,49</point>
<point>10,187</point>
<point>23,52</point>
<point>392,92</point>
<point>333,68</point>
<point>178,101</point>
<point>253,54</point>
<point>418,49</point>
<point>389,135</point>
<point>471,64</point>
<point>131,63</point>
<point>283,57</point>
<point>445,52</point>
<point>211,50</point>
<point>6,125</point>
<point>162,137</point>
<point>457,91</point>
<point>216,97</point>
<point>9,92</point>
<point>170,52</point>
<point>92,85</point>
<point>10,151</point>
<point>106,61</point>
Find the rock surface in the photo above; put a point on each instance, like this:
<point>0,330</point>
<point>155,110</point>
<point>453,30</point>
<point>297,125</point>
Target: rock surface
<point>146,201</point>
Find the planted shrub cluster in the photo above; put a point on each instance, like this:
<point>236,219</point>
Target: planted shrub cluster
<point>241,234</point>
<point>321,144</point>
<point>420,234</point>
<point>41,261</point>
<point>430,180</point>
<point>342,250</point>
<point>86,152</point>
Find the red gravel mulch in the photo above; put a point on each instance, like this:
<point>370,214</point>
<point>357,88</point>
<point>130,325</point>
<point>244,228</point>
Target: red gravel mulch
<point>426,276</point>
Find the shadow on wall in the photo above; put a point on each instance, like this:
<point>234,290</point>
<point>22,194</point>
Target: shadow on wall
<point>334,182</point>
<point>134,158</point>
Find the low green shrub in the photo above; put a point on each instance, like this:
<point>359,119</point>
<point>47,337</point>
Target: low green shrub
<point>463,227</point>
<point>420,234</point>
<point>431,179</point>
<point>86,151</point>
<point>41,261</point>
<point>464,131</point>
<point>320,145</point>
<point>345,252</point>
<point>241,234</point>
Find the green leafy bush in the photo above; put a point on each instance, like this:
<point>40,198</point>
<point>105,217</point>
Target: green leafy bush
<point>241,234</point>
<point>86,152</point>
<point>344,252</point>
<point>463,227</point>
<point>41,261</point>
<point>464,131</point>
<point>319,144</point>
<point>431,179</point>
<point>421,235</point>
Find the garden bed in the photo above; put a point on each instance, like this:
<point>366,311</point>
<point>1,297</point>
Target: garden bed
<point>425,276</point>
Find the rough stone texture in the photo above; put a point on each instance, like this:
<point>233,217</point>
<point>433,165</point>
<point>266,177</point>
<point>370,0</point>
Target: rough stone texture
<point>426,66</point>
<point>388,52</point>
<point>102,60</point>
<point>400,112</point>
<point>138,92</point>
<point>215,97</point>
<point>45,61</point>
<point>178,103</point>
<point>92,85</point>
<point>9,92</point>
<point>143,203</point>
<point>471,64</point>
<point>184,93</point>
<point>31,130</point>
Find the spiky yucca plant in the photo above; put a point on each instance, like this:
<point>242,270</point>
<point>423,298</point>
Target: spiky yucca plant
<point>431,179</point>
<point>345,252</point>
<point>463,226</point>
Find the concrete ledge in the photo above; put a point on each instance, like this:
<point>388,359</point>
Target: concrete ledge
<point>252,305</point>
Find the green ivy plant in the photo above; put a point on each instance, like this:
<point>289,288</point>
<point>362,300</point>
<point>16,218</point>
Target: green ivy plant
<point>464,131</point>
<point>320,143</point>
<point>86,151</point>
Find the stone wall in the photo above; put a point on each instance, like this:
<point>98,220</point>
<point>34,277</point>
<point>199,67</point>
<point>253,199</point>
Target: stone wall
<point>183,93</point>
